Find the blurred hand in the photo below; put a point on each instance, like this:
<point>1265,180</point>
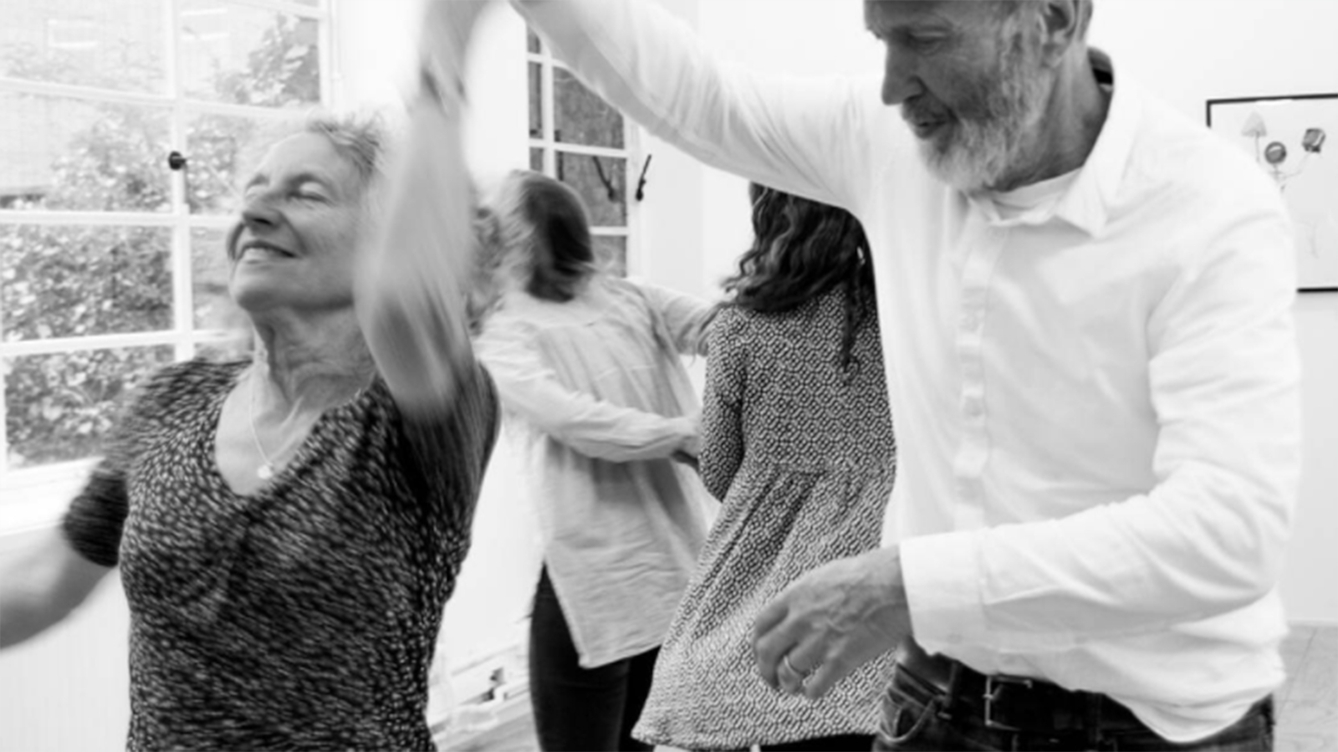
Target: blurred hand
<point>448,26</point>
<point>831,621</point>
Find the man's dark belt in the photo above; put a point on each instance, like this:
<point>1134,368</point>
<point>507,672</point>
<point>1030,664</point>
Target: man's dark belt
<point>1013,704</point>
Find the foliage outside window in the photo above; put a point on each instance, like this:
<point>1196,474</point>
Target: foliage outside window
<point>111,264</point>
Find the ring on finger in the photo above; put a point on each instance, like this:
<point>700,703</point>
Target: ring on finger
<point>793,670</point>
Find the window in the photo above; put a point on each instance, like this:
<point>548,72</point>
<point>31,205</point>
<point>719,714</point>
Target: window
<point>111,262</point>
<point>579,139</point>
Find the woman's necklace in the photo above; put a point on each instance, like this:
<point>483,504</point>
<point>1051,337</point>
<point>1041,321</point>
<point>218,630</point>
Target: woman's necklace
<point>266,469</point>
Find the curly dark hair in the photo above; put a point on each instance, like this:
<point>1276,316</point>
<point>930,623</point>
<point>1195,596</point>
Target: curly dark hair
<point>801,249</point>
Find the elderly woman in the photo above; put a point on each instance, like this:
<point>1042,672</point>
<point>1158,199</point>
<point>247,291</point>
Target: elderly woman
<point>289,527</point>
<point>588,367</point>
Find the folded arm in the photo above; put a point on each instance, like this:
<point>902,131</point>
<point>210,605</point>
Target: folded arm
<point>593,427</point>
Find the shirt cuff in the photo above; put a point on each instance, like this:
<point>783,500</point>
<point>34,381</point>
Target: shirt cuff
<point>942,577</point>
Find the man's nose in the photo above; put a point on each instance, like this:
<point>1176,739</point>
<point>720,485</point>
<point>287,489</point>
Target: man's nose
<point>900,77</point>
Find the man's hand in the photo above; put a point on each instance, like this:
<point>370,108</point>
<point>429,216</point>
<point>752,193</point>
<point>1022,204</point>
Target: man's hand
<point>831,621</point>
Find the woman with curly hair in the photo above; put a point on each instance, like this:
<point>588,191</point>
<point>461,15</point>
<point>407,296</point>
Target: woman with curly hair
<point>798,445</point>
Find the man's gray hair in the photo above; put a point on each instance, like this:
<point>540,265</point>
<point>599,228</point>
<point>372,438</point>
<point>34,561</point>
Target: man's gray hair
<point>1011,9</point>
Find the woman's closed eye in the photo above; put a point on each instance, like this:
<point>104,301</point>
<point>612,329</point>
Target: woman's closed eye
<point>311,191</point>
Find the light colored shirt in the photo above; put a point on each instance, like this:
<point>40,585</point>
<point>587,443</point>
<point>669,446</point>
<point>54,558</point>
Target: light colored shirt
<point>597,393</point>
<point>1096,401</point>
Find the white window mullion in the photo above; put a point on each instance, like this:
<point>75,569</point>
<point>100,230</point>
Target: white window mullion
<point>548,108</point>
<point>57,345</point>
<point>88,93</point>
<point>180,246</point>
<point>327,39</point>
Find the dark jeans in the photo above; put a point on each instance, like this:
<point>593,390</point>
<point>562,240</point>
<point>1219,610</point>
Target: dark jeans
<point>576,708</point>
<point>916,716</point>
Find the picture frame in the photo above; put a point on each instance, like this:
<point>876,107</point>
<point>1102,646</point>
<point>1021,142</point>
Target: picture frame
<point>1287,136</point>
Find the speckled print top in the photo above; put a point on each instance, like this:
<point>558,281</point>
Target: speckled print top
<point>801,453</point>
<point>300,617</point>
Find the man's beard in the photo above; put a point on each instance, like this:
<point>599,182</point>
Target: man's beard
<point>980,151</point>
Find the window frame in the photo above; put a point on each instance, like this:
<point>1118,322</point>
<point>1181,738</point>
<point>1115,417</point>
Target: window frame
<point>36,496</point>
<point>548,144</point>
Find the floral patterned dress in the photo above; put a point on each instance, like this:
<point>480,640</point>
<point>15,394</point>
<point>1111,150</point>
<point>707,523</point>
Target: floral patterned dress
<point>801,452</point>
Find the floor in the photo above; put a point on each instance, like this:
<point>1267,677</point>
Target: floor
<point>1307,703</point>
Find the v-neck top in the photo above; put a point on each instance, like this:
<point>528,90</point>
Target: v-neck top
<point>303,615</point>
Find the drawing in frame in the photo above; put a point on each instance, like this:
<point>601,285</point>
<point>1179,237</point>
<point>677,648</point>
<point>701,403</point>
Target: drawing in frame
<point>1286,136</point>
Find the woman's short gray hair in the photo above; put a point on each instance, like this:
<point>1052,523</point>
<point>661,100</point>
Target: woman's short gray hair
<point>361,138</point>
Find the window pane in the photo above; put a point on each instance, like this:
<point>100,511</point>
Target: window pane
<point>602,184</point>
<point>531,40</point>
<point>612,250</point>
<point>536,101</point>
<point>221,153</point>
<point>537,160</point>
<point>111,44</point>
<point>76,281</point>
<point>582,117</point>
<point>60,407</point>
<point>210,270</point>
<point>62,153</point>
<point>244,55</point>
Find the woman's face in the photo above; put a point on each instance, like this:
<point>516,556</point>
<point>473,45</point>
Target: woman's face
<point>295,245</point>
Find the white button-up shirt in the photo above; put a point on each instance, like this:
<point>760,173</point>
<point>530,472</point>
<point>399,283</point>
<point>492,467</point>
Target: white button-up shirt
<point>1096,401</point>
<point>597,395</point>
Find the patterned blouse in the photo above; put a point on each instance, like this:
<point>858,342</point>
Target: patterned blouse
<point>802,454</point>
<point>302,616</point>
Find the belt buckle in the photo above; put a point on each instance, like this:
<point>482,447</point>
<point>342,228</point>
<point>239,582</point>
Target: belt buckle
<point>994,688</point>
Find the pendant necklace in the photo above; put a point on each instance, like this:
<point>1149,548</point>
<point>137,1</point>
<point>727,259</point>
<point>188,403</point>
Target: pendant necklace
<point>266,469</point>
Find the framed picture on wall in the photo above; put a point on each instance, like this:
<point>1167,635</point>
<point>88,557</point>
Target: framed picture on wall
<point>1286,136</point>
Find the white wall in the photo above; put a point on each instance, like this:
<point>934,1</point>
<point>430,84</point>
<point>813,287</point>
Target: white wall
<point>1190,51</point>
<point>1186,51</point>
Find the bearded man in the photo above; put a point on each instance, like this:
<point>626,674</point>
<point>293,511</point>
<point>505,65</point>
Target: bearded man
<point>1085,302</point>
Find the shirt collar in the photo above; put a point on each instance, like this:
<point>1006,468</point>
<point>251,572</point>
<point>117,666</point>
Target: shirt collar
<point>1086,203</point>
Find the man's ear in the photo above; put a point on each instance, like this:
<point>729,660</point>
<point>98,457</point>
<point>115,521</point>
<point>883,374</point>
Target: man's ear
<point>1063,23</point>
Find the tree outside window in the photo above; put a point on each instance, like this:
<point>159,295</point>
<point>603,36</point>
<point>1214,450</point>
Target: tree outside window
<point>89,307</point>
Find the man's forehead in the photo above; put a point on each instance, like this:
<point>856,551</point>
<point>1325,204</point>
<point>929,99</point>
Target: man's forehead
<point>879,14</point>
